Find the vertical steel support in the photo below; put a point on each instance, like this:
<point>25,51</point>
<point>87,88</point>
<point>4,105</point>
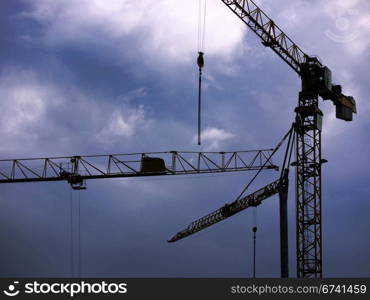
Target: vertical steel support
<point>308,189</point>
<point>174,157</point>
<point>283,198</point>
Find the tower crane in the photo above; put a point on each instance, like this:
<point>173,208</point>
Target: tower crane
<point>317,82</point>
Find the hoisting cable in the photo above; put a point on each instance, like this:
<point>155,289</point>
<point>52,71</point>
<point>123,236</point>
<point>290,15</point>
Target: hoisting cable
<point>71,233</point>
<point>267,160</point>
<point>292,148</point>
<point>254,229</point>
<point>286,163</point>
<point>200,59</point>
<point>79,235</point>
<point>288,152</point>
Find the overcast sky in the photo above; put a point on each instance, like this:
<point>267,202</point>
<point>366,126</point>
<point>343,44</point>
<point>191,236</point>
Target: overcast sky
<point>118,76</point>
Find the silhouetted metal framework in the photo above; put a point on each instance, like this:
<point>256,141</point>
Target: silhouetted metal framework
<point>308,192</point>
<point>228,210</point>
<point>316,81</point>
<point>76,169</point>
<point>309,68</point>
<point>270,34</point>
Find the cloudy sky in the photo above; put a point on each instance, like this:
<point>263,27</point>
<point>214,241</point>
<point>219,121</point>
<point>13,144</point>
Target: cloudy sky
<point>118,76</point>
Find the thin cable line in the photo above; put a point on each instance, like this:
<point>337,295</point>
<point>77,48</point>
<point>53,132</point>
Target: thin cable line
<point>202,14</point>
<point>79,233</point>
<point>199,24</point>
<point>71,232</point>
<point>204,26</point>
<point>269,159</point>
<point>255,216</point>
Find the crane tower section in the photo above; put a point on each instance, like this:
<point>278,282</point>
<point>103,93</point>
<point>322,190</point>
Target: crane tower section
<point>316,82</point>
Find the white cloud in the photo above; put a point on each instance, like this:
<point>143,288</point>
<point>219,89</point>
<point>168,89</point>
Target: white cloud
<point>350,24</point>
<point>134,94</point>
<point>213,138</point>
<point>43,119</point>
<point>23,102</point>
<point>167,29</point>
<point>24,106</point>
<point>344,25</point>
<point>39,118</point>
<point>122,123</point>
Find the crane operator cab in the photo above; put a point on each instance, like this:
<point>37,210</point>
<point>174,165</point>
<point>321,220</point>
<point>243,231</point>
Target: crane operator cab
<point>153,165</point>
<point>317,78</point>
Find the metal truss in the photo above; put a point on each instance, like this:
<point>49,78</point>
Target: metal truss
<point>308,193</point>
<point>75,169</point>
<point>231,209</point>
<point>271,34</point>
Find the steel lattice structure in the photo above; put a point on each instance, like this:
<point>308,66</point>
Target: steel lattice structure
<point>270,34</point>
<point>75,169</point>
<point>228,210</point>
<point>308,190</point>
<point>316,81</point>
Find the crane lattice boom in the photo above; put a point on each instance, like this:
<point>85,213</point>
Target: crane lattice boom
<point>75,169</point>
<point>228,210</point>
<point>270,34</point>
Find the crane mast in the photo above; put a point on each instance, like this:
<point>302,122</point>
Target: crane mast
<point>316,82</point>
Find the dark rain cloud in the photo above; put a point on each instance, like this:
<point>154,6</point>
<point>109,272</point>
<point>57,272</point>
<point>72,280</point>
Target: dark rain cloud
<point>79,88</point>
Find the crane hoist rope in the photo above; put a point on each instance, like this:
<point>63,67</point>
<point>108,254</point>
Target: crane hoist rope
<point>202,14</point>
<point>79,235</point>
<point>254,230</point>
<point>200,60</point>
<point>71,232</point>
<point>288,134</point>
<point>75,233</point>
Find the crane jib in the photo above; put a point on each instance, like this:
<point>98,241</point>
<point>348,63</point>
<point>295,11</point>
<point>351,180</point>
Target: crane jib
<point>312,72</point>
<point>271,35</point>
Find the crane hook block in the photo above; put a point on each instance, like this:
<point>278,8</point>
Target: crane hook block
<point>200,60</point>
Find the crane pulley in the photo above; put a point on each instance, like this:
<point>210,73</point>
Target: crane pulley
<point>200,62</point>
<point>254,229</point>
